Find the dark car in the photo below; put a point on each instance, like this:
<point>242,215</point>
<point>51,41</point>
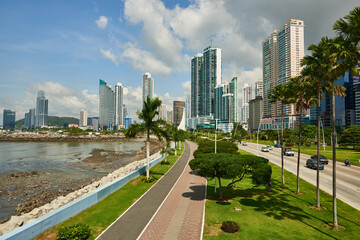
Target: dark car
<point>312,163</point>
<point>277,146</point>
<point>323,159</point>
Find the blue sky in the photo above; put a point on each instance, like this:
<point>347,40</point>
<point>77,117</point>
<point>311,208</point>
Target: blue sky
<point>64,47</point>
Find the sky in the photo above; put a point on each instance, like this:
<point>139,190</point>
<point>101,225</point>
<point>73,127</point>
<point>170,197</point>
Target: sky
<point>65,47</point>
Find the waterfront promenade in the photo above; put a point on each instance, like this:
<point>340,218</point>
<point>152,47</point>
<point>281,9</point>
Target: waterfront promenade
<point>172,209</point>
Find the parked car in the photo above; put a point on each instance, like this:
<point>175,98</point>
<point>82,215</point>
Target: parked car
<point>288,152</point>
<point>277,146</point>
<point>265,149</point>
<point>244,143</point>
<point>270,147</point>
<point>323,159</point>
<point>312,163</point>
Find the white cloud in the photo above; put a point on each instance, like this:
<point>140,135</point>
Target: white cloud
<point>186,88</point>
<point>109,55</point>
<point>63,101</point>
<point>102,22</point>
<point>144,60</point>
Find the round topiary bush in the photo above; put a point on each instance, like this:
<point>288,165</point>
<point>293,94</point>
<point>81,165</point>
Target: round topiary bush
<point>163,162</point>
<point>77,231</point>
<point>230,226</point>
<point>289,144</point>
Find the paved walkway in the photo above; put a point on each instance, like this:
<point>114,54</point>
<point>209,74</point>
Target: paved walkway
<point>182,220</point>
<point>181,215</point>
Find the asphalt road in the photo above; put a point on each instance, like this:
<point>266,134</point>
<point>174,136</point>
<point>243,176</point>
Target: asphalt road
<point>348,178</point>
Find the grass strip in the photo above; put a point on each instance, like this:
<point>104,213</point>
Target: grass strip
<point>102,214</point>
<point>277,214</point>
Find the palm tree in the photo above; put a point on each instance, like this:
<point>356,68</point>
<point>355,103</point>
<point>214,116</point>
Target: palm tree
<point>314,72</point>
<point>349,27</point>
<point>301,93</point>
<point>148,126</point>
<point>165,151</point>
<point>280,93</point>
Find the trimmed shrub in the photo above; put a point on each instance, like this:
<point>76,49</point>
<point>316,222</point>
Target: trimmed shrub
<point>308,144</point>
<point>77,231</point>
<point>163,162</point>
<point>230,227</point>
<point>289,144</point>
<point>148,180</point>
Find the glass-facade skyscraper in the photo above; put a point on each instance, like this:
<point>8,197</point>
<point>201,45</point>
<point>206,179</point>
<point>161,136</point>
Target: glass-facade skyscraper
<point>106,106</point>
<point>41,110</point>
<point>119,106</point>
<point>205,76</point>
<point>8,119</point>
<point>148,86</point>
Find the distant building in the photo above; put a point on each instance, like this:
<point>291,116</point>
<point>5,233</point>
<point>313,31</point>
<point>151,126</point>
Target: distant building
<point>178,108</point>
<point>187,111</point>
<point>245,106</point>
<point>170,116</point>
<point>106,106</point>
<point>32,118</point>
<point>27,121</point>
<point>259,89</point>
<point>148,86</point>
<point>95,123</point>
<point>125,113</point>
<point>8,119</point>
<point>83,118</point>
<point>256,109</point>
<point>162,112</point>
<point>119,105</point>
<point>89,121</point>
<point>41,110</point>
<point>128,121</point>
<point>197,81</point>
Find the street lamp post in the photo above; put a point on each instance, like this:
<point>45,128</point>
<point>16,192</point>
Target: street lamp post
<point>257,138</point>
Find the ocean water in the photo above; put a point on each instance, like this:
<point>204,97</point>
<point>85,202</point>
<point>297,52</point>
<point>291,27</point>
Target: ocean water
<point>42,156</point>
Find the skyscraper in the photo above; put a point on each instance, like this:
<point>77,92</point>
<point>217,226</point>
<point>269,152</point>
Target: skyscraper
<point>119,109</point>
<point>178,111</point>
<point>41,110</point>
<point>106,106</point>
<point>283,51</point>
<point>245,102</point>
<point>148,86</point>
<point>205,76</point>
<point>83,118</point>
<point>234,90</point>
<point>197,82</point>
<point>212,78</point>
<point>259,89</point>
<point>8,119</point>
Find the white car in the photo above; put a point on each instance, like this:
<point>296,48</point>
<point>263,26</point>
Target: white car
<point>270,147</point>
<point>244,143</point>
<point>289,152</point>
<point>265,149</point>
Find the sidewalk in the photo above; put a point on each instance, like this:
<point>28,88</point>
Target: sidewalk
<point>181,215</point>
<point>133,222</point>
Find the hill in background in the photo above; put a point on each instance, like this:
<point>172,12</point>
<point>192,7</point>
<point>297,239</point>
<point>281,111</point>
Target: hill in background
<point>53,121</point>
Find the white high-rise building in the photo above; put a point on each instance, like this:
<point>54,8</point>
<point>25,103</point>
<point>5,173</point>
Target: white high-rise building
<point>148,86</point>
<point>83,118</point>
<point>283,51</point>
<point>259,89</point>
<point>119,109</point>
<point>246,99</point>
<point>41,110</point>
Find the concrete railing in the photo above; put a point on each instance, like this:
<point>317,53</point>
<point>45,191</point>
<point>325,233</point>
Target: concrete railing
<point>43,223</point>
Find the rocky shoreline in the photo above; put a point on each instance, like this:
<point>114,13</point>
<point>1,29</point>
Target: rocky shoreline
<point>36,193</point>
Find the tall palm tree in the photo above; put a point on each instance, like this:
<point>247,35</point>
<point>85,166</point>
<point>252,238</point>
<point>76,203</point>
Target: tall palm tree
<point>314,72</point>
<point>280,94</point>
<point>301,93</point>
<point>148,126</point>
<point>349,27</point>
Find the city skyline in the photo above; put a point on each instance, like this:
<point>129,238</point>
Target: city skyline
<point>65,48</point>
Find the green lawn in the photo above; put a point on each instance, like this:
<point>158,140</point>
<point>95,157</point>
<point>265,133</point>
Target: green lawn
<point>279,214</point>
<point>102,214</point>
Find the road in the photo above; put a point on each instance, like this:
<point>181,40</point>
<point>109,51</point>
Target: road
<point>348,178</point>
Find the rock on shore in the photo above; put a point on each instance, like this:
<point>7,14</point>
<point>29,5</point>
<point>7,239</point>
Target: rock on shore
<point>18,221</point>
